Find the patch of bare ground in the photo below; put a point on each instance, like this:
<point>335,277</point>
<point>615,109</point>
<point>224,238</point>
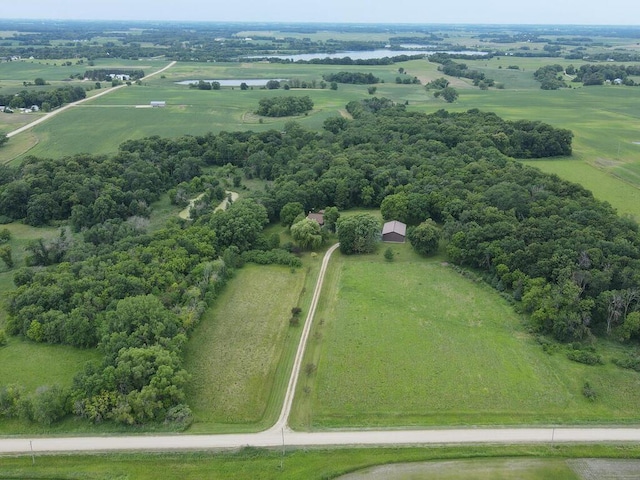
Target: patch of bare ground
<point>345,114</point>
<point>606,162</point>
<point>605,469</point>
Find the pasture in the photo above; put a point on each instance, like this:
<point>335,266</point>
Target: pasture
<point>412,342</point>
<point>236,353</point>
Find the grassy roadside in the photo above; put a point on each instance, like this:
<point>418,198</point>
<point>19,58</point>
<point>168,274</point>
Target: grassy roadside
<point>251,463</point>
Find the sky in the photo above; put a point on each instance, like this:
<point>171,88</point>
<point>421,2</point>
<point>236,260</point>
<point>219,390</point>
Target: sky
<point>576,12</point>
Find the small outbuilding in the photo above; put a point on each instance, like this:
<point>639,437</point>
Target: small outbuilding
<point>394,231</point>
<point>318,217</point>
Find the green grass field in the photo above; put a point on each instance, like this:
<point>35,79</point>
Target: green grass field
<point>234,354</point>
<point>527,462</point>
<point>413,342</point>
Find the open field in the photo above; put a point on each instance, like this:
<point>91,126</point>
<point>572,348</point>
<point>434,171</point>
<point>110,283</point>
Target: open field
<point>234,353</point>
<point>319,464</point>
<point>390,338</point>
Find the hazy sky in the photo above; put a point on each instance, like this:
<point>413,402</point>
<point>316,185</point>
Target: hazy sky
<point>598,12</point>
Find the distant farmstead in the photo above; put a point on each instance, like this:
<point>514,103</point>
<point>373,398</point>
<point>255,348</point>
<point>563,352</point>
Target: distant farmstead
<point>394,231</point>
<point>158,104</point>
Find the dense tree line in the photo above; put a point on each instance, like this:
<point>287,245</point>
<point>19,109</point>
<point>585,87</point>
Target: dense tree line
<point>551,77</point>
<point>87,190</point>
<point>455,69</point>
<point>357,78</point>
<point>593,74</point>
<point>48,99</point>
<point>284,106</point>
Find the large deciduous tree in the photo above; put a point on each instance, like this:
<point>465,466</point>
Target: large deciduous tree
<point>358,233</point>
<point>307,233</point>
<point>425,237</point>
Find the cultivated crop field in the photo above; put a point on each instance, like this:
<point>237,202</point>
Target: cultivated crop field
<point>412,342</point>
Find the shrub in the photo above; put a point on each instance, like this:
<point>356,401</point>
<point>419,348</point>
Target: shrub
<point>180,415</point>
<point>631,361</point>
<point>589,392</point>
<point>271,257</point>
<point>585,356</point>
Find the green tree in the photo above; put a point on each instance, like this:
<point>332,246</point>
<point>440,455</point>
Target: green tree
<point>425,237</point>
<point>307,233</point>
<point>331,216</point>
<point>5,255</point>
<point>358,233</point>
<point>449,94</point>
<point>289,212</point>
<point>395,207</point>
<point>48,404</point>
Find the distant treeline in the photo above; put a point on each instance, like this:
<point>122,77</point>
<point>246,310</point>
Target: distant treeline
<point>455,69</point>
<point>357,78</point>
<point>551,77</point>
<point>284,106</point>
<point>46,100</point>
<point>349,60</point>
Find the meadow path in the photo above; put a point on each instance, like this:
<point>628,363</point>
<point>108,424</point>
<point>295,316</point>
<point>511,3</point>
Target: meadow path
<point>46,117</point>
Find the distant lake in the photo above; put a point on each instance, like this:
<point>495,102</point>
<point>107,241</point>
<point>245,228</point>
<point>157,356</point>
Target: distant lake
<point>367,55</point>
<point>235,82</point>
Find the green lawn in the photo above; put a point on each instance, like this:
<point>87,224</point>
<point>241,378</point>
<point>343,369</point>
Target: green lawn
<point>33,365</point>
<point>412,342</point>
<point>235,352</point>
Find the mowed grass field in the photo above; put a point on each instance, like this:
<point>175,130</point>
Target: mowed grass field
<point>235,353</point>
<point>412,342</point>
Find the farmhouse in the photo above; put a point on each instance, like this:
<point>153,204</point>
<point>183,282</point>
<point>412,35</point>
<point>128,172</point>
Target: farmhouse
<point>394,231</point>
<point>157,103</point>
<point>318,217</point>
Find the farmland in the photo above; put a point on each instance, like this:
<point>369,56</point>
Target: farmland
<point>389,337</point>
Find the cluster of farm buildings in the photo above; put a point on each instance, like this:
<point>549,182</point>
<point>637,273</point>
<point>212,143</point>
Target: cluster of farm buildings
<point>392,232</point>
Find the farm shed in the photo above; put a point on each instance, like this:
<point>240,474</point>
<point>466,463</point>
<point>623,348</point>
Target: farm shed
<point>394,231</point>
